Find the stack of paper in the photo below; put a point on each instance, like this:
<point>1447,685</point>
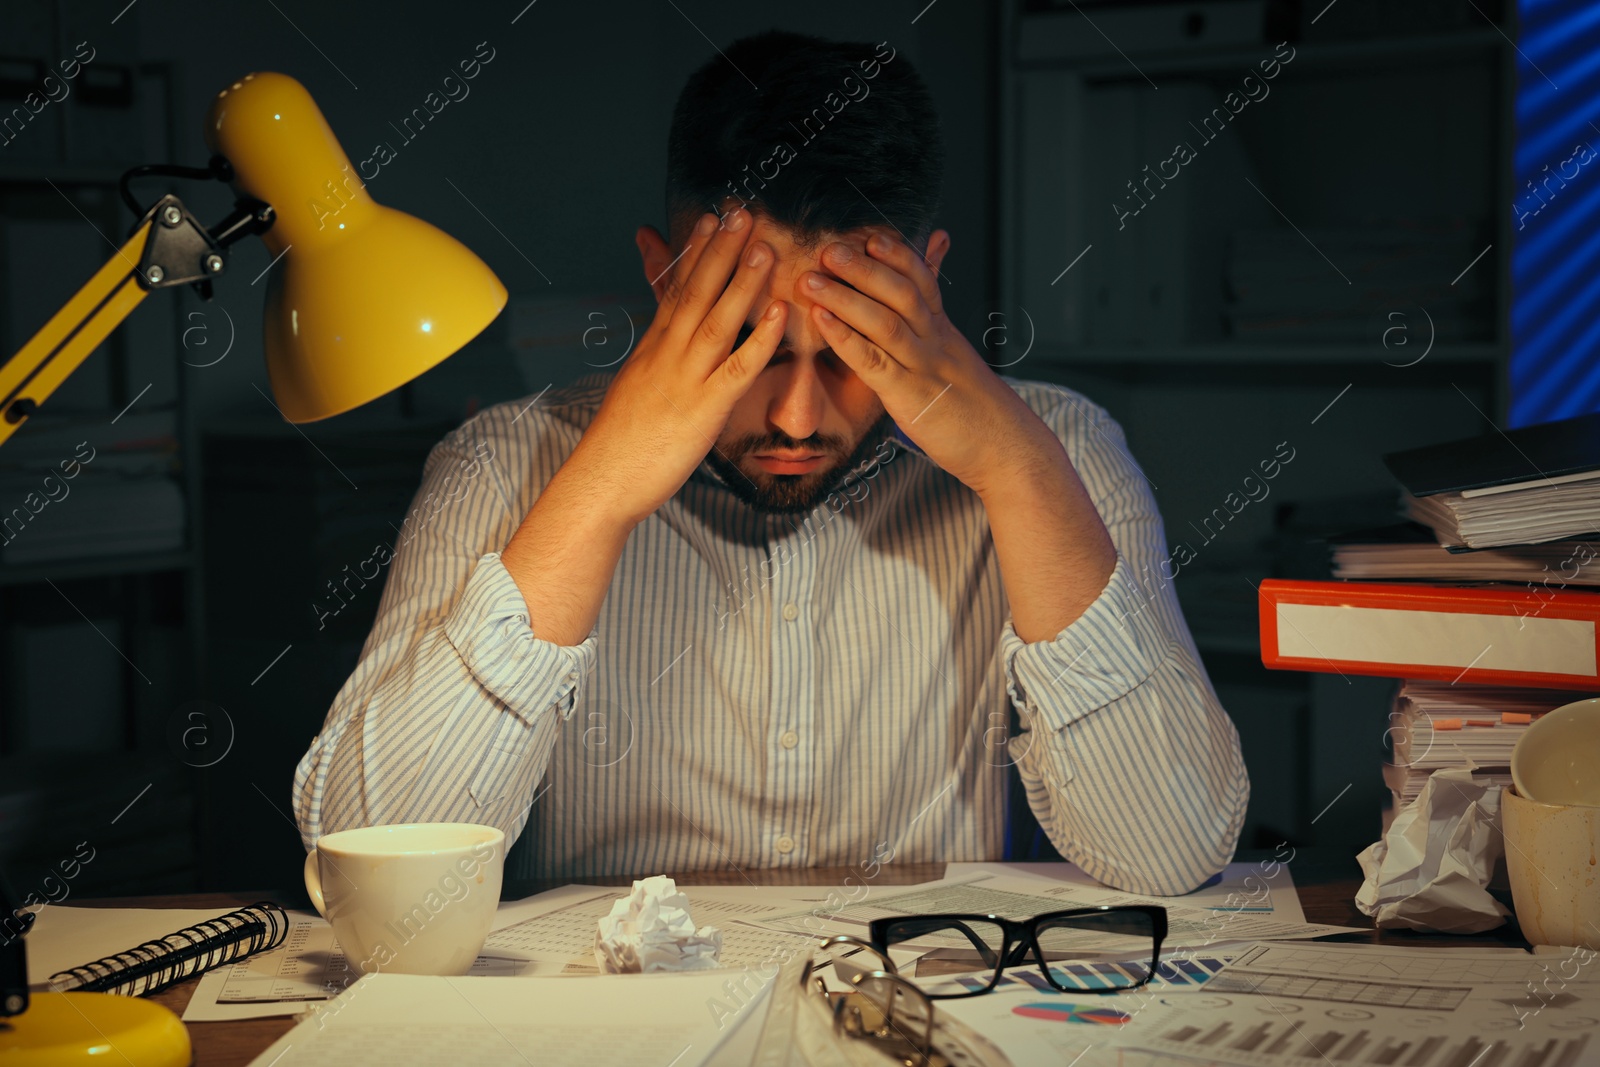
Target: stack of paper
<point>1435,725</point>
<point>1409,551</point>
<point>1523,486</point>
<point>636,1020</point>
<point>1533,511</point>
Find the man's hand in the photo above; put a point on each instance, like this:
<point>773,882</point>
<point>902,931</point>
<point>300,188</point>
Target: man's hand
<point>888,325</point>
<point>673,396</point>
<point>659,418</point>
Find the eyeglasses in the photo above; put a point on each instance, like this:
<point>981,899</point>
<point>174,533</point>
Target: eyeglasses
<point>1085,950</point>
<point>889,1014</point>
<point>964,956</point>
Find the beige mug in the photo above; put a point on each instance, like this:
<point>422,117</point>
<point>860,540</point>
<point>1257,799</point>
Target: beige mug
<point>1551,854</point>
<point>1557,759</point>
<point>417,898</point>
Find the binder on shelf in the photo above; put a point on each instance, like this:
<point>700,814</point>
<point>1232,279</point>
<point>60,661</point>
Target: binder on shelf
<point>1529,456</point>
<point>1483,635</point>
<point>187,953</point>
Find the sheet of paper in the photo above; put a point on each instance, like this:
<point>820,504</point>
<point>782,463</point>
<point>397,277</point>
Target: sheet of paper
<point>1020,897</point>
<point>1292,1005</point>
<point>1425,979</point>
<point>1256,888</point>
<point>511,912</point>
<point>283,981</point>
<point>309,966</point>
<point>1183,970</point>
<point>549,933</point>
<point>1030,1027</point>
<point>624,1020</point>
<point>1216,1030</point>
<point>563,937</point>
<point>1201,1030</point>
<point>205,1006</point>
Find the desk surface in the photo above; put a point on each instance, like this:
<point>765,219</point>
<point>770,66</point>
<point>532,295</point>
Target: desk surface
<point>1327,886</point>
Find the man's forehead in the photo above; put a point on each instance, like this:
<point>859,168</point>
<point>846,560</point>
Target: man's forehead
<point>786,242</point>
<point>790,245</point>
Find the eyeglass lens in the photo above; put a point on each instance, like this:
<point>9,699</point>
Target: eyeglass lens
<point>890,1012</point>
<point>1108,950</point>
<point>840,963</point>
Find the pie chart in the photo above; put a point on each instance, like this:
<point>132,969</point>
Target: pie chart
<point>1073,1013</point>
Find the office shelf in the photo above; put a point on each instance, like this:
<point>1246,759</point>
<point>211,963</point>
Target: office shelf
<point>96,567</point>
<point>95,667</point>
<point>1224,353</point>
<point>1421,49</point>
<point>1365,182</point>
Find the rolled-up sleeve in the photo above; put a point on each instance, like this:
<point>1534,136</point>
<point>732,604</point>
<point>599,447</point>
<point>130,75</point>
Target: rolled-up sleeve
<point>489,630</point>
<point>1134,769</point>
<point>454,706</point>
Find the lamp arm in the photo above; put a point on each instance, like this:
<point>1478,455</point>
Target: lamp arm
<point>168,248</point>
<point>29,377</point>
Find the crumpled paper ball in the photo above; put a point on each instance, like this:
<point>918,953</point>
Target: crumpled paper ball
<point>650,930</point>
<point>1432,869</point>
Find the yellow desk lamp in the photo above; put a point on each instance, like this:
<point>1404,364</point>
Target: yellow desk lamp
<point>365,299</point>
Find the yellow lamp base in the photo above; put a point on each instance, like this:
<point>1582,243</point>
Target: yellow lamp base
<point>67,1028</point>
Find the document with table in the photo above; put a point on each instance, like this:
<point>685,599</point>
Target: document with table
<point>1289,1005</point>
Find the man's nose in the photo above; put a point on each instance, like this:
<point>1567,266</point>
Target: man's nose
<point>796,408</point>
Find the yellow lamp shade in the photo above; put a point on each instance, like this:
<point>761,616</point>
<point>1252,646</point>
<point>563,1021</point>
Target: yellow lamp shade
<point>364,298</point>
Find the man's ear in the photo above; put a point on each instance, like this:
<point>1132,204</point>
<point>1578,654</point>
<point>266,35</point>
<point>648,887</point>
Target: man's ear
<point>938,246</point>
<point>656,255</point>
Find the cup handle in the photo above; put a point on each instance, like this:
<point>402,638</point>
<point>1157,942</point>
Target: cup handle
<point>314,883</point>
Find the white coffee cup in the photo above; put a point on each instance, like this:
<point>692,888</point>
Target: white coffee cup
<point>416,898</point>
<point>1551,852</point>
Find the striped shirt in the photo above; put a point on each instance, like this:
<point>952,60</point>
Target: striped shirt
<point>779,690</point>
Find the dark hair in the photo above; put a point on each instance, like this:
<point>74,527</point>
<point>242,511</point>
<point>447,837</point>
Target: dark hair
<point>820,112</point>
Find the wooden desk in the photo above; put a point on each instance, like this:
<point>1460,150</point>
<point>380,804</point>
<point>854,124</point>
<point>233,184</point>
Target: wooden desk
<point>1327,883</point>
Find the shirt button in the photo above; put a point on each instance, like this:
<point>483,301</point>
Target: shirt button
<point>785,844</point>
<point>790,739</point>
<point>790,612</point>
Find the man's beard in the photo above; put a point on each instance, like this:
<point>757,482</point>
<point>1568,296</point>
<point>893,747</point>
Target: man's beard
<point>793,494</point>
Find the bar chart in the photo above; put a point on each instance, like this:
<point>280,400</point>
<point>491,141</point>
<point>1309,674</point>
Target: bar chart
<point>1283,1041</point>
<point>1359,991</point>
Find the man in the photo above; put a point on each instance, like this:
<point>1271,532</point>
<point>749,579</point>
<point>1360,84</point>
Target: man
<point>768,595</point>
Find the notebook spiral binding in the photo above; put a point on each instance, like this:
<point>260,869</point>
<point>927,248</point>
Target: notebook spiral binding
<point>155,965</point>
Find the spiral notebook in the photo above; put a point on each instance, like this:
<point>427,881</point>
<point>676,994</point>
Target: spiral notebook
<point>164,961</point>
